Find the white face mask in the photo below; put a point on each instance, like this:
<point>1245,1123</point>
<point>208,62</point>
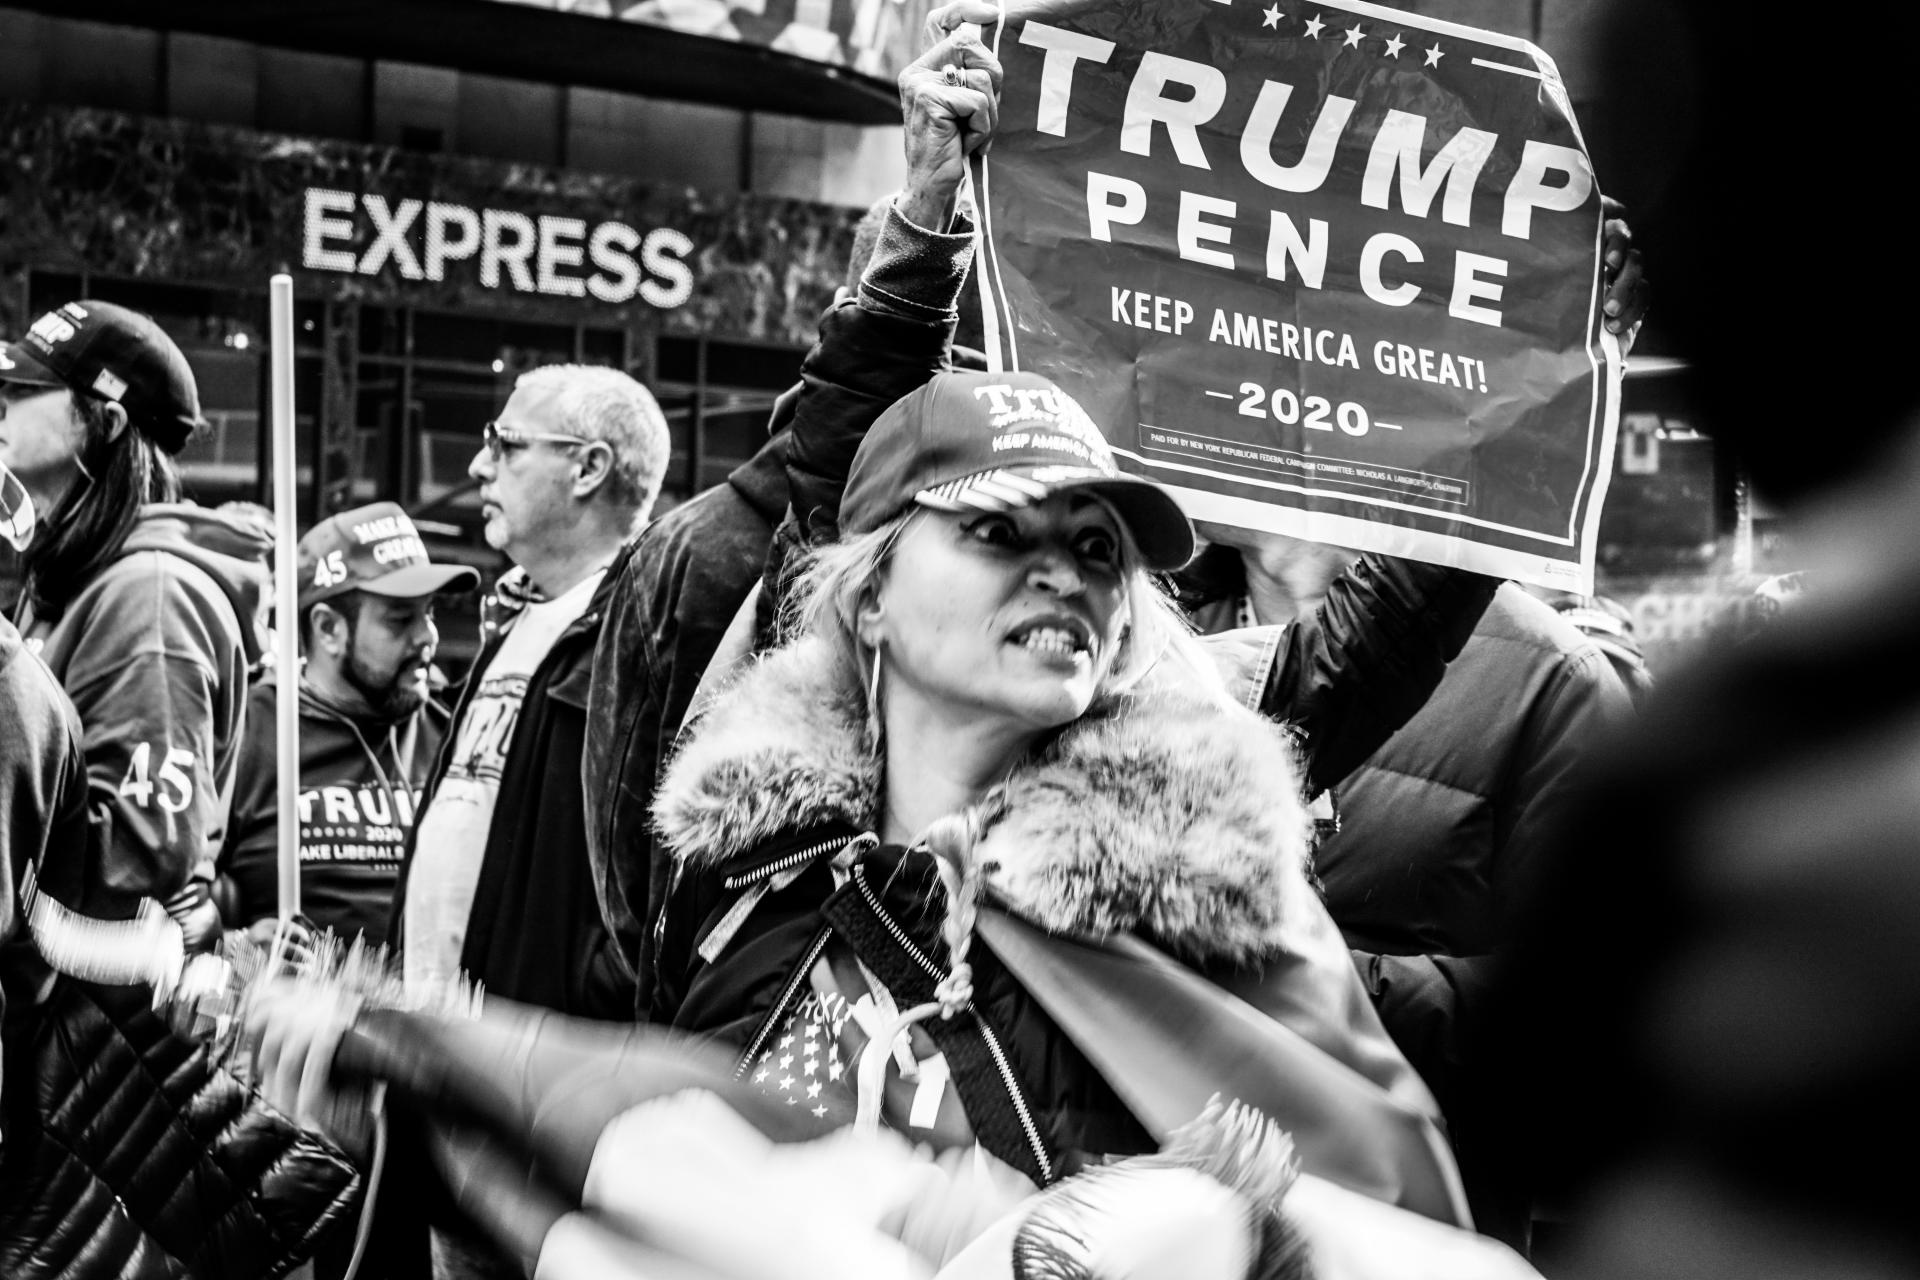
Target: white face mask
<point>16,510</point>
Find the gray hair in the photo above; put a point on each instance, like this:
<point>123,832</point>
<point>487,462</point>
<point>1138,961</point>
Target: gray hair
<point>607,405</point>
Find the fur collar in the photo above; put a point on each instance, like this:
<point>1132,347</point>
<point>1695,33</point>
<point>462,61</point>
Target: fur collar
<point>1165,815</point>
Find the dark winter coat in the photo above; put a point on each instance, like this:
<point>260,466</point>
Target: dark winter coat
<point>1443,827</point>
<point>1163,815</point>
<point>1441,831</point>
<point>534,933</point>
<point>670,604</point>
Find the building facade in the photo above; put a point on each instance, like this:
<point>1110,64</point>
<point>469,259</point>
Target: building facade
<point>471,188</point>
<point>446,230</point>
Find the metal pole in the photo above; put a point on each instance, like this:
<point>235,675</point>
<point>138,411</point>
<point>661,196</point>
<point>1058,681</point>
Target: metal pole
<point>286,590</point>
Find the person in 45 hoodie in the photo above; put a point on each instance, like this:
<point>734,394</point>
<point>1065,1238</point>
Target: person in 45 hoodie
<point>139,604</point>
<point>369,731</point>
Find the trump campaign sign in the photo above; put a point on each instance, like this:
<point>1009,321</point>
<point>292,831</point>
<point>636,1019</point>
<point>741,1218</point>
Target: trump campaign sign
<point>1320,267</point>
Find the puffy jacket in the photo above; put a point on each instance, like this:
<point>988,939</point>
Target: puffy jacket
<point>360,788</point>
<point>1441,831</point>
<point>1443,827</point>
<point>154,653</point>
<point>121,1152</point>
<point>138,1158</point>
<point>535,933</point>
<point>1161,815</point>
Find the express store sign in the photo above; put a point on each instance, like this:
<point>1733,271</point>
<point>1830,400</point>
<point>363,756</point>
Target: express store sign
<point>429,240</point>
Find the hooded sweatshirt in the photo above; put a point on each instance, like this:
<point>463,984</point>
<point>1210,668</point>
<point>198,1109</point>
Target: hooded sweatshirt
<point>154,652</point>
<point>360,783</point>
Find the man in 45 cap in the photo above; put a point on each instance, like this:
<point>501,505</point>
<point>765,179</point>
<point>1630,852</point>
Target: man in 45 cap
<point>369,731</point>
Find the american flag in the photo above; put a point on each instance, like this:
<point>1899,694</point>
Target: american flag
<point>802,1066</point>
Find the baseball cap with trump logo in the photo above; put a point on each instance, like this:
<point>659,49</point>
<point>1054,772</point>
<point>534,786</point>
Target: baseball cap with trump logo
<point>377,550</point>
<point>994,442</point>
<point>98,349</point>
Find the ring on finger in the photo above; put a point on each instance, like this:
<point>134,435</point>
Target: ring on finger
<point>951,74</point>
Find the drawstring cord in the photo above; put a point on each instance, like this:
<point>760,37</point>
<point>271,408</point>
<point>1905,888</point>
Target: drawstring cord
<point>951,841</point>
<point>393,748</point>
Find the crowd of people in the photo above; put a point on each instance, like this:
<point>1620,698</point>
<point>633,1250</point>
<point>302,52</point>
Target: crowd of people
<point>911,856</point>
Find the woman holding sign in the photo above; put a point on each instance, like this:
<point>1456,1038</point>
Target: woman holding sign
<point>997,862</point>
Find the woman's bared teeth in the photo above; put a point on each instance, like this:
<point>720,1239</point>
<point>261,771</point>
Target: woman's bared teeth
<point>1049,639</point>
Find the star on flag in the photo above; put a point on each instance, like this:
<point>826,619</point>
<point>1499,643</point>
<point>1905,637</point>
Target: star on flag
<point>819,1082</point>
<point>1394,46</point>
<point>1272,16</point>
<point>1434,55</point>
<point>1315,27</point>
<point>1353,36</point>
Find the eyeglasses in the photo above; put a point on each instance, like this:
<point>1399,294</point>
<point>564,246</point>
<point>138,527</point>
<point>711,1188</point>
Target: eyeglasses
<point>499,439</point>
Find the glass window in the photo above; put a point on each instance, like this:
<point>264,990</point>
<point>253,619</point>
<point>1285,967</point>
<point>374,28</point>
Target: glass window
<point>718,397</point>
<point>449,409</point>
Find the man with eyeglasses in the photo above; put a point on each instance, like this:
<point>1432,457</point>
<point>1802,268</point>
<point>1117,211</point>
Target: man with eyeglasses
<point>496,886</point>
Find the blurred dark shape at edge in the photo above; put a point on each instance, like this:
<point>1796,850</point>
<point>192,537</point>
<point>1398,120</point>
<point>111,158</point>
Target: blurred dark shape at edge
<point>1762,185</point>
<point>1715,1005</point>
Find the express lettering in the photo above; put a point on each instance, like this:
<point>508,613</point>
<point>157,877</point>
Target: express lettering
<point>558,256</point>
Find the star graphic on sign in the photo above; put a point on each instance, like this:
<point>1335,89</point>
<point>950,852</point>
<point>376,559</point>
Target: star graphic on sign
<point>1353,37</point>
<point>1394,46</point>
<point>1315,27</point>
<point>1272,16</point>
<point>1434,55</point>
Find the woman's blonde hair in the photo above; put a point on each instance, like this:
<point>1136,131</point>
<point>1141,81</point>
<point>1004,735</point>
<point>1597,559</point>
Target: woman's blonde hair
<point>825,604</point>
<point>838,579</point>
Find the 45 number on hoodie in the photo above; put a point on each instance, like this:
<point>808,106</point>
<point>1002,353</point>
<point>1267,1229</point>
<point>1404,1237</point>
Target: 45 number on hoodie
<point>175,785</point>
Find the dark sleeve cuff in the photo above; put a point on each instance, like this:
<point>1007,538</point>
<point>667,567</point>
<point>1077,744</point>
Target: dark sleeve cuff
<point>914,273</point>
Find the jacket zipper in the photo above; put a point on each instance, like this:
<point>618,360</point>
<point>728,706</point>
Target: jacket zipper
<point>779,1011</point>
<point>1007,1080</point>
<point>786,862</point>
